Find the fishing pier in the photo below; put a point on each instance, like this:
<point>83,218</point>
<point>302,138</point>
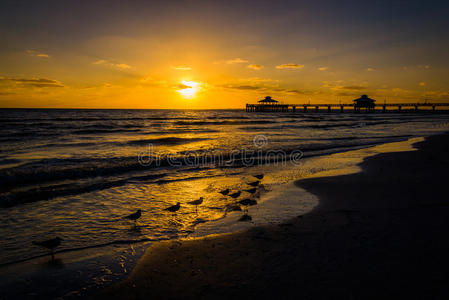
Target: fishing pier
<point>362,104</point>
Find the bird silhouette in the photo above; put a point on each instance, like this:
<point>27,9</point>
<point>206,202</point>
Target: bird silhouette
<point>233,207</point>
<point>174,208</point>
<point>134,216</point>
<point>260,176</point>
<point>251,191</point>
<point>225,192</point>
<point>255,183</point>
<point>50,244</point>
<point>235,195</point>
<point>248,202</point>
<point>196,203</point>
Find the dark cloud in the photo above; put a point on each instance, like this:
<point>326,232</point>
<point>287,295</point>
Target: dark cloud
<point>247,87</point>
<point>298,92</point>
<point>34,82</point>
<point>290,66</point>
<point>270,89</point>
<point>344,94</point>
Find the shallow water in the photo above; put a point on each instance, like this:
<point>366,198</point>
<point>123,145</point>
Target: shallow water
<point>76,173</point>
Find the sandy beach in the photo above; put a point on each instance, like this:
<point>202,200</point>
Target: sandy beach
<point>381,232</point>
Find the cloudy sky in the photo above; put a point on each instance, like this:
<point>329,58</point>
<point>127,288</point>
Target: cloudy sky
<point>220,54</point>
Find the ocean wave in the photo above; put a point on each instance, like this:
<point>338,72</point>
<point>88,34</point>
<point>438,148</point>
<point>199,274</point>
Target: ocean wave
<point>114,242</point>
<point>241,122</point>
<point>9,161</point>
<point>49,192</point>
<point>96,131</point>
<point>91,119</point>
<point>26,183</point>
<point>165,141</point>
<point>327,125</point>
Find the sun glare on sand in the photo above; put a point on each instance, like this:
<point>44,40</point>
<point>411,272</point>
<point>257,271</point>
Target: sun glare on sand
<point>188,88</point>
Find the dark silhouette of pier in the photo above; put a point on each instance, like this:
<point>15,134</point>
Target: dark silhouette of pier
<point>363,104</point>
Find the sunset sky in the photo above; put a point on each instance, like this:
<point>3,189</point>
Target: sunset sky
<point>220,54</point>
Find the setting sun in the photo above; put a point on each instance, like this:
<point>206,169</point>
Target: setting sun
<point>188,88</point>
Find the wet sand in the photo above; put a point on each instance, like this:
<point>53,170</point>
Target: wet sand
<point>382,232</point>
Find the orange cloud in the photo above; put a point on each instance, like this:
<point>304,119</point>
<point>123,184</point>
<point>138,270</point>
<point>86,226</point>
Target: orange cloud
<point>290,66</point>
<point>255,66</point>
<point>182,68</point>
<point>103,62</point>
<point>36,54</point>
<point>236,61</point>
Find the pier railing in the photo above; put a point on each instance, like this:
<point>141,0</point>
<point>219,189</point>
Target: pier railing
<point>342,107</point>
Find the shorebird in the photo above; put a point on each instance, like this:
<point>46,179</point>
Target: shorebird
<point>174,208</point>
<point>225,192</point>
<point>50,244</point>
<point>251,191</point>
<point>248,202</point>
<point>260,176</point>
<point>235,195</point>
<point>233,207</point>
<point>255,183</point>
<point>196,203</point>
<point>134,216</point>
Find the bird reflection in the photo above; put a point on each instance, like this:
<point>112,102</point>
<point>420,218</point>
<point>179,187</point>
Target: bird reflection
<point>245,218</point>
<point>55,263</point>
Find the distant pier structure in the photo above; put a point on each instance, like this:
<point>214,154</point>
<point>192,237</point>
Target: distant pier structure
<point>362,104</point>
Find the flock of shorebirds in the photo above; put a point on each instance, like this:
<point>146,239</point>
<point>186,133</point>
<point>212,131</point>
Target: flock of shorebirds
<point>52,244</point>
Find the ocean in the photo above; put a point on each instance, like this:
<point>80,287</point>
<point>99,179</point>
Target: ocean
<point>76,173</point>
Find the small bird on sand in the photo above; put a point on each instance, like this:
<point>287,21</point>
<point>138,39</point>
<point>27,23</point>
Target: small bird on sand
<point>134,216</point>
<point>196,203</point>
<point>248,202</point>
<point>174,208</point>
<point>235,195</point>
<point>251,191</point>
<point>260,176</point>
<point>233,207</point>
<point>225,192</point>
<point>50,244</point>
<point>255,183</point>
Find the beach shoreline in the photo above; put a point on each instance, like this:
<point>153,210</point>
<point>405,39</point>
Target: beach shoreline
<point>379,232</point>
